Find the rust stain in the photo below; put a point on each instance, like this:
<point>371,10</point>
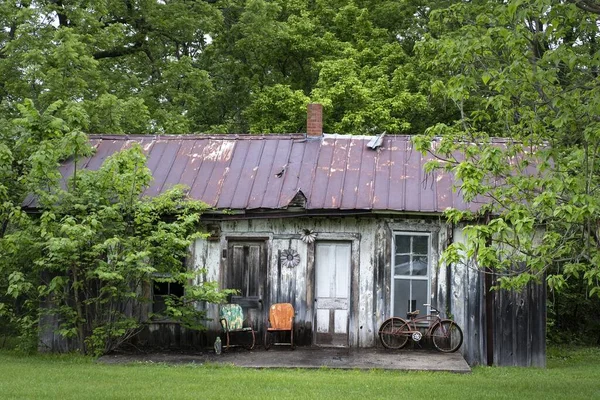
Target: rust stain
<point>218,151</point>
<point>147,147</point>
<point>348,175</point>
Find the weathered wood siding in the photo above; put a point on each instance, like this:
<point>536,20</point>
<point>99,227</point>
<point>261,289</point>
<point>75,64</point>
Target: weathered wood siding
<point>516,326</point>
<point>520,327</point>
<point>458,290</point>
<point>296,285</point>
<point>502,328</point>
<point>466,304</point>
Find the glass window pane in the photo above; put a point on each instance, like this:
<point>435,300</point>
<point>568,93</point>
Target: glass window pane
<point>402,244</point>
<point>161,288</point>
<point>401,296</point>
<point>419,266</point>
<point>419,294</point>
<point>402,266</point>
<point>176,289</point>
<point>420,244</point>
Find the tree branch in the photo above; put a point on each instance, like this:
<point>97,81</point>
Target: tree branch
<point>587,5</point>
<point>119,52</point>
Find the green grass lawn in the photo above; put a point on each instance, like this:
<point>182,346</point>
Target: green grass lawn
<point>571,374</point>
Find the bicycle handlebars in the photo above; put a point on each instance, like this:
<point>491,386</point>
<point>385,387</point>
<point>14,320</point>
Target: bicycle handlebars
<point>433,309</point>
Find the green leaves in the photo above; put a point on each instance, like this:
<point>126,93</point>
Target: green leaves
<point>277,109</point>
<point>96,243</point>
<point>521,71</point>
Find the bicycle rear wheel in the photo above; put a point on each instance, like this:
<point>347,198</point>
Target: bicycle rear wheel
<point>391,333</point>
<point>447,336</point>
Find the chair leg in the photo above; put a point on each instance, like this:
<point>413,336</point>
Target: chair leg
<point>292,339</point>
<point>253,340</point>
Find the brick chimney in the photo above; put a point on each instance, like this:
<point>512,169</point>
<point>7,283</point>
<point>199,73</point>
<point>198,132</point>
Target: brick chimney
<point>314,120</point>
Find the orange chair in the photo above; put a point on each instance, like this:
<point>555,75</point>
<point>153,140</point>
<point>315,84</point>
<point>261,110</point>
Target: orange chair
<point>281,319</point>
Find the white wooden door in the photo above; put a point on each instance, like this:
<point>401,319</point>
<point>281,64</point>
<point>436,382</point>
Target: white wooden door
<point>332,293</point>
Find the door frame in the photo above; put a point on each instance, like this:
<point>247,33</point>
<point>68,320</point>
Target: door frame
<point>225,256</point>
<point>354,240</point>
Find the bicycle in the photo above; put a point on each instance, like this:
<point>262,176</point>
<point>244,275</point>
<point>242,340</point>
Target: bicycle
<point>446,335</point>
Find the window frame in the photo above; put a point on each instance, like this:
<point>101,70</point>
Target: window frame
<point>394,276</point>
<point>158,314</point>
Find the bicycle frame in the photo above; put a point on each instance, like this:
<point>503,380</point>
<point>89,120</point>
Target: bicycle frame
<point>445,334</point>
<point>432,320</point>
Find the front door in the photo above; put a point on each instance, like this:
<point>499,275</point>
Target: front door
<point>332,300</point>
<point>247,272</point>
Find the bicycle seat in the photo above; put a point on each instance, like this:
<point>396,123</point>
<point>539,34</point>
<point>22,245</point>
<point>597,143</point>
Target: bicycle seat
<point>412,314</point>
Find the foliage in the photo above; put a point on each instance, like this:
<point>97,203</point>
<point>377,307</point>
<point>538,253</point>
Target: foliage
<point>463,72</point>
<point>212,66</point>
<point>526,72</point>
<point>96,243</point>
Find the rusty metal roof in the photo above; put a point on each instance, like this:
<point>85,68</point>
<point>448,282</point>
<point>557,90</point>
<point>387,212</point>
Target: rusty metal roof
<point>251,172</point>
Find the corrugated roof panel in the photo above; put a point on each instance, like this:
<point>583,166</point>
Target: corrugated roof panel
<point>155,152</point>
<point>278,170</point>
<point>308,168</point>
<point>265,172</point>
<point>105,149</point>
<point>264,168</point>
<point>291,178</point>
<point>397,182</point>
<point>179,165</point>
<point>168,152</point>
<point>318,191</point>
<point>337,173</point>
<point>218,153</point>
<point>428,192</point>
<point>383,168</point>
<point>366,180</point>
<point>193,171</point>
<point>445,195</point>
<point>351,180</point>
<point>413,179</point>
<point>247,178</point>
<point>233,181</point>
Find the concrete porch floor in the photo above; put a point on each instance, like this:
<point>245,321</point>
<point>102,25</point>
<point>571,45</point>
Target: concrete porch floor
<point>309,357</point>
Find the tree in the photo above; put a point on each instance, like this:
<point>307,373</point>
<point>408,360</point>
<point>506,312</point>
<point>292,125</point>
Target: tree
<point>31,146</point>
<point>527,72</point>
<point>96,243</point>
<point>180,67</point>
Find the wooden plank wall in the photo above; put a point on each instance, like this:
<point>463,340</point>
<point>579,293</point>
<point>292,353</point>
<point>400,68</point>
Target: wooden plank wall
<point>296,285</point>
<point>518,319</point>
<point>520,327</point>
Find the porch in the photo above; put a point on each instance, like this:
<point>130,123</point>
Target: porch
<point>309,357</point>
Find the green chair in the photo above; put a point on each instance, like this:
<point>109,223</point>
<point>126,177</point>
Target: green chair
<point>232,321</point>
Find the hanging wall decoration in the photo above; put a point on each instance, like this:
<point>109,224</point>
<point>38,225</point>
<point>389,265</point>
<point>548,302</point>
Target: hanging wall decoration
<point>308,236</point>
<point>289,258</point>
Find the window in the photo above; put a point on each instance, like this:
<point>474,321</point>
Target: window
<point>162,290</point>
<point>410,272</point>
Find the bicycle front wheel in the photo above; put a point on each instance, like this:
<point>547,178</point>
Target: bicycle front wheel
<point>393,333</point>
<point>447,336</point>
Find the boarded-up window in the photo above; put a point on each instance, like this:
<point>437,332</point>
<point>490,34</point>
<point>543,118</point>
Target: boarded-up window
<point>410,272</point>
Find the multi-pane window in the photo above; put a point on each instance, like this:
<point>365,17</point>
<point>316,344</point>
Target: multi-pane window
<point>410,273</point>
<point>162,290</point>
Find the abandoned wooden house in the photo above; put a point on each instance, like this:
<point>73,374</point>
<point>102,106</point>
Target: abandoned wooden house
<point>349,229</point>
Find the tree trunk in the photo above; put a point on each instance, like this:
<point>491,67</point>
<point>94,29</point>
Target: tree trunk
<point>79,310</point>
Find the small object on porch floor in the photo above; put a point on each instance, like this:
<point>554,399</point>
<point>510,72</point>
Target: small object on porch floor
<point>218,345</point>
<point>281,320</point>
<point>232,321</point>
